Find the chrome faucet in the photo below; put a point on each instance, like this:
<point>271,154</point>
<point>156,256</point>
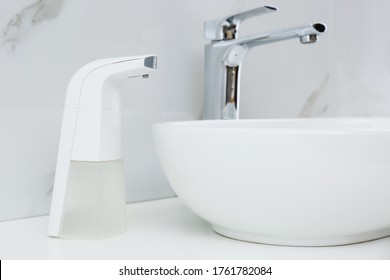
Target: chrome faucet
<point>225,53</point>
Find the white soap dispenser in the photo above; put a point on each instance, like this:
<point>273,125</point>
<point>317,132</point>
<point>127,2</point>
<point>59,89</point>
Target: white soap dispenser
<point>89,197</point>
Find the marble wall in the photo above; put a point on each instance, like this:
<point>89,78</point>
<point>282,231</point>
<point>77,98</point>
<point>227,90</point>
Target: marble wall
<point>347,74</point>
<point>43,42</point>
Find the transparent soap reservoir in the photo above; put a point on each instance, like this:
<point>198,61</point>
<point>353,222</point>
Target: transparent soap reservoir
<point>95,200</point>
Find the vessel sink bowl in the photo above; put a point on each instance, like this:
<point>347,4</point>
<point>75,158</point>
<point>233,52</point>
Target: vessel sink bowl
<point>299,182</point>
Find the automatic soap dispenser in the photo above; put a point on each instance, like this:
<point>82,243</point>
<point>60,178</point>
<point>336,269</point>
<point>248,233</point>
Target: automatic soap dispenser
<point>89,197</point>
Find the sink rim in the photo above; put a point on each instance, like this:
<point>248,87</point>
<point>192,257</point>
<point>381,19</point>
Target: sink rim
<point>290,125</point>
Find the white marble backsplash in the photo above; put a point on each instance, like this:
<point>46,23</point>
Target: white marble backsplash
<point>358,80</point>
<point>19,26</point>
<point>43,42</point>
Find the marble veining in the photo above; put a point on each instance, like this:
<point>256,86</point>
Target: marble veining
<point>22,23</point>
<point>310,108</point>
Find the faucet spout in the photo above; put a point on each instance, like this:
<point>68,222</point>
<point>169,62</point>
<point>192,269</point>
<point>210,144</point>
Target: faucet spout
<point>224,56</point>
<point>236,50</point>
<point>306,33</point>
<point>313,37</point>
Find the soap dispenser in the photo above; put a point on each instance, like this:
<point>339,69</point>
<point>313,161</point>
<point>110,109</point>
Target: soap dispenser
<point>89,195</point>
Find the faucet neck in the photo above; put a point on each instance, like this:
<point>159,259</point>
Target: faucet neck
<point>222,81</point>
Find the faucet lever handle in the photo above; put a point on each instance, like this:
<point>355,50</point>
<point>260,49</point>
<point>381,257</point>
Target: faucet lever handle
<point>226,28</point>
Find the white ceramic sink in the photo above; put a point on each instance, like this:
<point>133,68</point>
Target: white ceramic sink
<point>304,182</point>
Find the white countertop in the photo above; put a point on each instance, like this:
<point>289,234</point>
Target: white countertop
<point>163,229</point>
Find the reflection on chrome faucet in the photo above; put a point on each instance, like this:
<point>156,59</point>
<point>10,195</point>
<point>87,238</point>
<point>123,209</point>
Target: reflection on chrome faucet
<point>225,53</point>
